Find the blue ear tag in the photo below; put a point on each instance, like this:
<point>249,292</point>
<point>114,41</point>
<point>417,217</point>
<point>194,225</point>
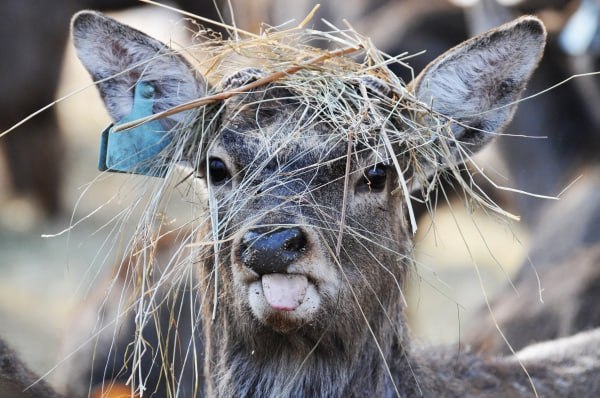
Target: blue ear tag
<point>135,150</point>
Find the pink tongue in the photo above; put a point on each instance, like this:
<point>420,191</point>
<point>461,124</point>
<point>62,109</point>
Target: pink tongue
<point>284,292</point>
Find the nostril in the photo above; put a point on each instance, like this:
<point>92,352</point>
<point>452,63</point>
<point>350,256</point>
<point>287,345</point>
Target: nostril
<point>272,251</point>
<point>294,240</point>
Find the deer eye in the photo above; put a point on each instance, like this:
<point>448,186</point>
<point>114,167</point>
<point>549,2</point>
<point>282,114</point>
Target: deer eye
<point>374,178</point>
<point>218,173</point>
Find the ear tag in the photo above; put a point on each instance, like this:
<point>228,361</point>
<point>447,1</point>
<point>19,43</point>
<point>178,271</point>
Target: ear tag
<point>135,150</point>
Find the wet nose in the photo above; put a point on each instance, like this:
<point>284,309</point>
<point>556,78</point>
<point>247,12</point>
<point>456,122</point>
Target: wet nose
<point>272,251</point>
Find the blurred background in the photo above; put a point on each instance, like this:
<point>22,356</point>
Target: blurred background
<point>49,180</point>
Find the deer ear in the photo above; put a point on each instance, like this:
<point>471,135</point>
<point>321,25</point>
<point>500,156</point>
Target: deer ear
<point>477,83</point>
<point>118,56</point>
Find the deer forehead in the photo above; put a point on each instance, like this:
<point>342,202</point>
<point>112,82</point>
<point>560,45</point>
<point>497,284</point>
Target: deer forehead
<point>287,136</point>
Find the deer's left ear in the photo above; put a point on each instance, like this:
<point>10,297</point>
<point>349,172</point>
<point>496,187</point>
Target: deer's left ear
<point>118,57</point>
<point>477,83</point>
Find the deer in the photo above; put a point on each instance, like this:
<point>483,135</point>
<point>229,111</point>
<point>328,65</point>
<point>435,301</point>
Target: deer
<point>299,264</point>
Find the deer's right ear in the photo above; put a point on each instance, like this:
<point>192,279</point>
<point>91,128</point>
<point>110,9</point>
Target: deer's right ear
<point>118,56</point>
<point>478,83</point>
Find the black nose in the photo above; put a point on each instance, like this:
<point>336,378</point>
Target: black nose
<point>272,251</point>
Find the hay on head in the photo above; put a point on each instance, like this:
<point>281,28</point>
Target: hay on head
<point>350,86</point>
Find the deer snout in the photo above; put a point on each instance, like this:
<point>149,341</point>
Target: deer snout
<point>268,251</point>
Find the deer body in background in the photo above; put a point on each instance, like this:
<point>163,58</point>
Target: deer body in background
<point>557,287</point>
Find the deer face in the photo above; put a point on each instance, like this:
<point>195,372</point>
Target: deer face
<point>307,209</point>
<point>280,177</point>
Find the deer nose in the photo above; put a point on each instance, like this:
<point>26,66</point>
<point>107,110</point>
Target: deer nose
<point>272,251</point>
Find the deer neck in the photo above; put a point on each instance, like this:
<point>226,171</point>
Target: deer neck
<point>331,363</point>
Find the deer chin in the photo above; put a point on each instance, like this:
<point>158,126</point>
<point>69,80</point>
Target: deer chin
<point>284,301</point>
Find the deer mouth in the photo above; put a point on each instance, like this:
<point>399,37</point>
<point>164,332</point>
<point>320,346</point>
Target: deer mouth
<point>284,292</point>
<point>283,275</point>
<point>284,301</point>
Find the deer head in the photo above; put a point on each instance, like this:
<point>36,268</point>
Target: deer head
<point>308,178</point>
